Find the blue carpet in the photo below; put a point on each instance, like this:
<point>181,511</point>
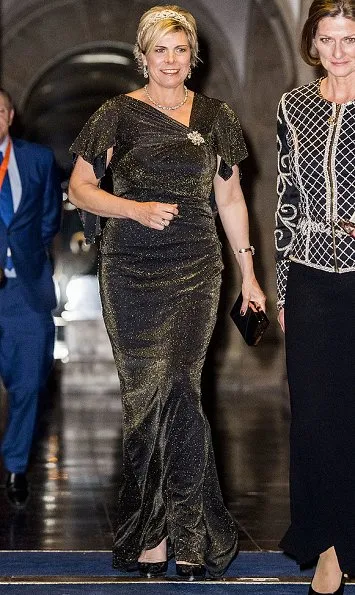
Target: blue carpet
<point>47,563</point>
<point>156,589</point>
<point>60,573</point>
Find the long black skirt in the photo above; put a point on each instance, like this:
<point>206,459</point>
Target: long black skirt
<point>320,355</point>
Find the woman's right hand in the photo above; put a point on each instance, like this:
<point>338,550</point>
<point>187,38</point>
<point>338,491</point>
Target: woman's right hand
<point>281,318</point>
<point>156,215</point>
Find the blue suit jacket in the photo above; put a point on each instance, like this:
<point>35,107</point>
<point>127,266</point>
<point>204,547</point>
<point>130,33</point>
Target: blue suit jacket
<point>34,224</point>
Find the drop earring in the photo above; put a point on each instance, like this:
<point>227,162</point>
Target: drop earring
<point>145,71</point>
<point>189,73</point>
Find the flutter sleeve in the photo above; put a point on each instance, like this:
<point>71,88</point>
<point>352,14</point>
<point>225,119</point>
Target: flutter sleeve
<point>287,212</point>
<point>97,136</point>
<point>228,140</point>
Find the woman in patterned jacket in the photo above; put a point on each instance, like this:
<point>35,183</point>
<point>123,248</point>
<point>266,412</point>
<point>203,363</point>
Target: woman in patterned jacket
<point>315,246</point>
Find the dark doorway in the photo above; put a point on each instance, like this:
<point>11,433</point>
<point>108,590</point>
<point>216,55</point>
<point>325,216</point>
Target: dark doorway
<point>69,91</point>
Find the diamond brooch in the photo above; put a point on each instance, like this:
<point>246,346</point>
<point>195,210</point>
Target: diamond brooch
<point>196,138</point>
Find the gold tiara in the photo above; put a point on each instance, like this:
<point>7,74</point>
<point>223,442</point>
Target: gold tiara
<point>166,14</point>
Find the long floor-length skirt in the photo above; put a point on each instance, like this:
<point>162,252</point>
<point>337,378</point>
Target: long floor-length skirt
<point>320,352</point>
<point>160,311</point>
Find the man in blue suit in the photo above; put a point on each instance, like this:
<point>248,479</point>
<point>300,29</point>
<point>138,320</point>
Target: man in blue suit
<point>30,209</point>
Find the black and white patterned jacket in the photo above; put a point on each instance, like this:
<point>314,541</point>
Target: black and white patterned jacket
<point>316,183</point>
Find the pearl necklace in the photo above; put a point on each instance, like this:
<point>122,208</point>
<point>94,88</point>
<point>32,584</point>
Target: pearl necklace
<point>165,107</point>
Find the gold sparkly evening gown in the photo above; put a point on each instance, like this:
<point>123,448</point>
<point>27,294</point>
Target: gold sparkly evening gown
<point>160,291</point>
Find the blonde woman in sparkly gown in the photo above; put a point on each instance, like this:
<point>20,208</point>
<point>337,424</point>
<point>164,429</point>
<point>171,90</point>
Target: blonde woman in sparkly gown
<point>160,275</point>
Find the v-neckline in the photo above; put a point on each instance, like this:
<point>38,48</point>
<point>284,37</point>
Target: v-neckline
<point>166,116</point>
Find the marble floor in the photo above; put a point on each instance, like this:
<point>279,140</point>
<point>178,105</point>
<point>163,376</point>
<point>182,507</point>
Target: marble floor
<point>76,462</point>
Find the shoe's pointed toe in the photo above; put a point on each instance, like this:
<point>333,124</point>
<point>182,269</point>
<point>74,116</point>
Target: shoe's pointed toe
<point>152,569</point>
<point>339,591</point>
<point>191,572</point>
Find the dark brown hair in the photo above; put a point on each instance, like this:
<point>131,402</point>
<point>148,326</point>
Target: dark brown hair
<point>8,98</point>
<point>319,10</point>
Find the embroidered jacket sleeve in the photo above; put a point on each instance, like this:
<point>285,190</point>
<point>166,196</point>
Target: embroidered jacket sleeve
<point>287,212</point>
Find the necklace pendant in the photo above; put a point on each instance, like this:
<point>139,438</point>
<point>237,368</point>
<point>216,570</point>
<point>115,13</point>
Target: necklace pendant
<point>332,121</point>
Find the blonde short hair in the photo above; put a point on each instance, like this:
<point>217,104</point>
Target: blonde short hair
<point>160,20</point>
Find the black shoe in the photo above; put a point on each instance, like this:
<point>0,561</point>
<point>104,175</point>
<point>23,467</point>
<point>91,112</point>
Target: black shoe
<point>17,489</point>
<point>152,569</point>
<point>339,591</point>
<point>191,572</point>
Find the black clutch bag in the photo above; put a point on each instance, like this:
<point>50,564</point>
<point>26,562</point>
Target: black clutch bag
<point>252,325</point>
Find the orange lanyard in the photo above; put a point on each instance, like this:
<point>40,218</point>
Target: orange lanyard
<point>5,164</point>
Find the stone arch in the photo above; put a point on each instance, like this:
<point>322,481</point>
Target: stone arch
<point>34,38</point>
<point>38,35</point>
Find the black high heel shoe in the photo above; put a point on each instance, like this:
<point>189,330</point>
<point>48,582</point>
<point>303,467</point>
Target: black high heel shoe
<point>191,572</point>
<point>152,569</point>
<point>339,591</point>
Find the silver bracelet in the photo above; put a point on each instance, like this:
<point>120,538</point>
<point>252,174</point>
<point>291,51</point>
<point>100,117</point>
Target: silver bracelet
<point>250,249</point>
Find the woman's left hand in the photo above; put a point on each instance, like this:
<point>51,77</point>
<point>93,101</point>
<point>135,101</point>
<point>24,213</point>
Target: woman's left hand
<point>253,295</point>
